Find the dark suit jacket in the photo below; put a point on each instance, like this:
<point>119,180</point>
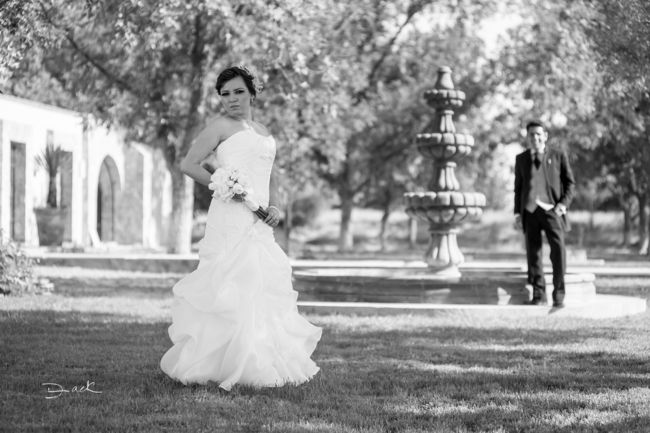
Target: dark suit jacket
<point>559,180</point>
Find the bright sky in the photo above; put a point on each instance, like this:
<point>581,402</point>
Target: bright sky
<point>497,27</point>
<point>490,30</point>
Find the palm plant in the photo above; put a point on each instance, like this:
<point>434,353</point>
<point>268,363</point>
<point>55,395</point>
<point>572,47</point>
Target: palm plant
<point>50,159</point>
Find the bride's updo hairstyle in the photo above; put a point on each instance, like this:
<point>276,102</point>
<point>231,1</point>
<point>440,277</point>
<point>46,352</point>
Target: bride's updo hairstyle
<point>238,71</point>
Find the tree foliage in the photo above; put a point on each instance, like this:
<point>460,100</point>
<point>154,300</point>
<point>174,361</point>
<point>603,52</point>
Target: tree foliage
<point>344,81</point>
<point>608,129</point>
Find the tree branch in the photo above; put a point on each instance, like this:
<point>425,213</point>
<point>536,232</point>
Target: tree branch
<point>413,9</point>
<point>68,33</point>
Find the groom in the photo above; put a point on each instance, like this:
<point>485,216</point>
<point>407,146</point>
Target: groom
<point>544,187</point>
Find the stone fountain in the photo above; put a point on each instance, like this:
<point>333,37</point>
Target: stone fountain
<point>437,284</point>
<point>445,207</point>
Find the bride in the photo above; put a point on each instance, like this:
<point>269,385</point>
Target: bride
<point>235,319</point>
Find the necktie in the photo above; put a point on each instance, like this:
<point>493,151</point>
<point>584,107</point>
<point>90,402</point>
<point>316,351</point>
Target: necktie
<point>536,160</point>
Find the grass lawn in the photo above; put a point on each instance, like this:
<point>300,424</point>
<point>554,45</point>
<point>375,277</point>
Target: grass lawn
<point>379,374</point>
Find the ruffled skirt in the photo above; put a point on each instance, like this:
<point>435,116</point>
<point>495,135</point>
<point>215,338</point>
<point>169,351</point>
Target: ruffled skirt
<point>235,318</point>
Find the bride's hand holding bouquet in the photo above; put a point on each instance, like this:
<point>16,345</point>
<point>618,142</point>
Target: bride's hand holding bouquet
<point>230,184</point>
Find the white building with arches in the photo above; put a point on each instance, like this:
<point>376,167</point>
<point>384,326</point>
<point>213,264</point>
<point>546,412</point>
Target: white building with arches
<point>113,191</point>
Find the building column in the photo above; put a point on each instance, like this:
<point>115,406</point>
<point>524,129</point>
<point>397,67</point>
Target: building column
<point>66,202</point>
<point>130,209</point>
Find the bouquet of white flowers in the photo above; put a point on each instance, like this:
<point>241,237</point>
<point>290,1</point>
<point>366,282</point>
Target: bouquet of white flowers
<point>230,184</point>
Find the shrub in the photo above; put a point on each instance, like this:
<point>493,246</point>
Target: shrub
<point>17,273</point>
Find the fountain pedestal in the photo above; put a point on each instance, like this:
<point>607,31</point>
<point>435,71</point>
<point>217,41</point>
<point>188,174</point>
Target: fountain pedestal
<point>445,207</point>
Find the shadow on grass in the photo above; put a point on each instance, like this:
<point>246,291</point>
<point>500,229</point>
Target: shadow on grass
<point>437,379</point>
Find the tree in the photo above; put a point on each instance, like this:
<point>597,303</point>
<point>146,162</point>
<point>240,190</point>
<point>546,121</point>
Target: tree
<point>393,166</point>
<point>620,32</point>
<point>589,62</point>
<point>392,61</point>
<point>147,67</point>
<point>20,29</point>
<point>135,65</point>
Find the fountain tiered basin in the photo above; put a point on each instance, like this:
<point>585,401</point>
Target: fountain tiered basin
<point>495,286</point>
<point>444,145</point>
<point>494,290</point>
<point>445,207</point>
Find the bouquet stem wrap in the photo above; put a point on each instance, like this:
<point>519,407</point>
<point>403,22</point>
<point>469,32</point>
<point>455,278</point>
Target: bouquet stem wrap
<point>256,208</point>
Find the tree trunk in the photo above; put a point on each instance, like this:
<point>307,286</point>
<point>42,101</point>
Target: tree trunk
<point>346,240</point>
<point>591,213</point>
<point>626,204</point>
<point>383,232</point>
<point>627,223</point>
<point>183,186</point>
<point>346,195</point>
<point>645,245</point>
<point>180,230</point>
<point>644,220</point>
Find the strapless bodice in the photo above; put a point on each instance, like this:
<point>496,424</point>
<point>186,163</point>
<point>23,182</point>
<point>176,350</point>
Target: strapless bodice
<point>253,154</point>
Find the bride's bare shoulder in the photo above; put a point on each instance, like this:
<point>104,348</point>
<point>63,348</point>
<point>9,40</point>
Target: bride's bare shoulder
<point>218,122</point>
<point>261,128</point>
<point>218,128</point>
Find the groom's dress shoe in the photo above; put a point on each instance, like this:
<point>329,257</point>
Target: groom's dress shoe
<point>558,304</point>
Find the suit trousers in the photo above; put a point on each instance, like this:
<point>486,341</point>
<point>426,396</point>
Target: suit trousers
<point>552,225</point>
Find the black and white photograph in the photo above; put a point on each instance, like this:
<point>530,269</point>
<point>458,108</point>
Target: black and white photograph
<point>324,216</point>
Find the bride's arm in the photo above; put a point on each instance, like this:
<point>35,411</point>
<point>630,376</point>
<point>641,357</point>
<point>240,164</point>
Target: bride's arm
<point>203,145</point>
<point>274,200</point>
<point>274,190</point>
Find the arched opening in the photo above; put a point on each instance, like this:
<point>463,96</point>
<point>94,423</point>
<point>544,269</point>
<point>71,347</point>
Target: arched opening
<point>108,189</point>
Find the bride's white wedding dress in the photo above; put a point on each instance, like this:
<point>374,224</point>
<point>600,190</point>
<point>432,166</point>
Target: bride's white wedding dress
<point>235,319</point>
